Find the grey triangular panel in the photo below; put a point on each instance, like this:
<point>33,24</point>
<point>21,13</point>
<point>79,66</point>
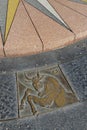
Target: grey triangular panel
<point>40,7</point>
<point>3,10</point>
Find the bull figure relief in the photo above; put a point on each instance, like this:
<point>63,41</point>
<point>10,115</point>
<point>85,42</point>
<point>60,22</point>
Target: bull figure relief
<point>49,93</point>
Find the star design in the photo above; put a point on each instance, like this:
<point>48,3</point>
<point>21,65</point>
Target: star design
<point>7,11</point>
<point>10,7</point>
<point>45,7</point>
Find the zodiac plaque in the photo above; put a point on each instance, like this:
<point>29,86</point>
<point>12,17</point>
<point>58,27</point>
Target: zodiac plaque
<point>43,90</point>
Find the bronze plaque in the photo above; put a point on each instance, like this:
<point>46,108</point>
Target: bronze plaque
<point>43,90</point>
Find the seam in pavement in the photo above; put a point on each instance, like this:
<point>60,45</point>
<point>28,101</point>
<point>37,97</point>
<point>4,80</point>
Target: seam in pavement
<point>2,42</point>
<point>11,22</point>
<point>71,8</point>
<point>4,52</point>
<point>17,95</point>
<point>34,27</point>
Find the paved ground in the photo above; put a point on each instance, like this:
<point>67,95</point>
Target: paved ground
<point>43,65</point>
<point>72,61</point>
<point>30,27</point>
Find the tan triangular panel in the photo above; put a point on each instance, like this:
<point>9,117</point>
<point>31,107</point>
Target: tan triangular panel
<point>22,38</point>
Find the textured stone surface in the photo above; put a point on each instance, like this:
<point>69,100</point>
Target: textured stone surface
<point>8,96</point>
<point>68,118</point>
<point>52,121</point>
<point>1,47</point>
<point>76,117</point>
<point>72,52</point>
<point>29,62</point>
<point>80,8</point>
<point>49,30</point>
<point>43,9</point>
<point>22,38</point>
<point>80,1</point>
<point>3,9</point>
<point>21,124</point>
<point>76,74</point>
<point>58,56</point>
<point>76,21</point>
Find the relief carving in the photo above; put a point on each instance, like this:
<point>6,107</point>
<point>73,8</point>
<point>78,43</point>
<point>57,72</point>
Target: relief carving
<point>45,90</point>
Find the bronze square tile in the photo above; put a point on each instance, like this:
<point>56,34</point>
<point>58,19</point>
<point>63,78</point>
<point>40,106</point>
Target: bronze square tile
<point>43,90</point>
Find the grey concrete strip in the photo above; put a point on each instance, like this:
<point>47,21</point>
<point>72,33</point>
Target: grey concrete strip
<point>76,74</point>
<point>52,121</point>
<point>8,97</point>
<point>71,52</point>
<point>47,58</point>
<point>76,117</point>
<point>73,117</point>
<point>70,118</point>
<point>21,124</point>
<point>3,9</point>
<point>28,62</point>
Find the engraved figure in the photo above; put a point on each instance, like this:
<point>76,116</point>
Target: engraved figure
<point>48,93</point>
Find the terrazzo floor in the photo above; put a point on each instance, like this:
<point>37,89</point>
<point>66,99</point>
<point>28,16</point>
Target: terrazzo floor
<point>43,65</point>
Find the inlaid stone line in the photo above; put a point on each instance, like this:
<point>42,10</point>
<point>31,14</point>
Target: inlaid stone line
<point>80,1</point>
<point>43,90</point>
<point>75,6</point>
<point>75,20</point>
<point>45,7</point>
<point>1,45</point>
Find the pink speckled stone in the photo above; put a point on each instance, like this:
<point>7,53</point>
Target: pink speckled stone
<point>80,8</point>
<point>22,38</point>
<point>52,34</point>
<point>76,21</point>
